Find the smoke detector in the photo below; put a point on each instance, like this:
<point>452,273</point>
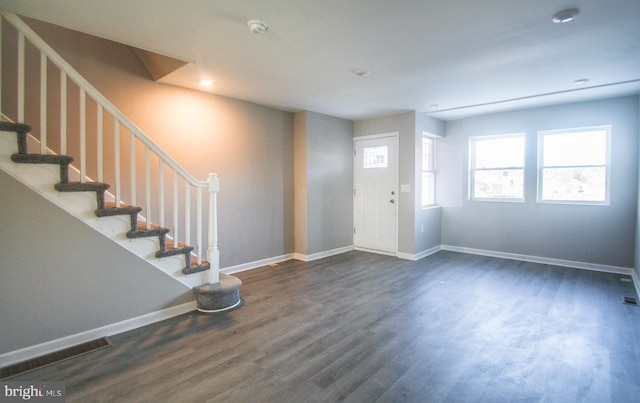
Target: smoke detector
<point>565,15</point>
<point>257,26</point>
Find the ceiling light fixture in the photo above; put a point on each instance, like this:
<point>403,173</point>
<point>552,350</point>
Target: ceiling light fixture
<point>565,15</point>
<point>206,83</point>
<point>434,106</point>
<point>257,26</point>
<point>361,72</point>
<point>581,81</point>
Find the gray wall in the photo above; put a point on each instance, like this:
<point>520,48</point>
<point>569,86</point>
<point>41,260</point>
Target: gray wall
<point>301,206</point>
<point>324,182</point>
<point>593,234</point>
<point>59,277</point>
<point>249,146</point>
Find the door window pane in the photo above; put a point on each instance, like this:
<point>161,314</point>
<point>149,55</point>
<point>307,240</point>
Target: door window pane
<point>376,157</point>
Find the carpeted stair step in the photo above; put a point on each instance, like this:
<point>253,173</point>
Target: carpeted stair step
<point>194,267</point>
<point>167,248</point>
<point>14,127</point>
<point>142,231</point>
<point>21,132</point>
<point>42,159</point>
<point>81,186</point>
<point>110,210</point>
<point>62,160</point>
<point>97,187</point>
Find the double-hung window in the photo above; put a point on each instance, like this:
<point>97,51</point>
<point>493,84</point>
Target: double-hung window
<point>497,167</point>
<point>573,165</point>
<point>428,172</point>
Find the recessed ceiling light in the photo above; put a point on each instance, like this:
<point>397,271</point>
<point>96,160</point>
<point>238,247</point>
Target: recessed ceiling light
<point>206,83</point>
<point>361,72</point>
<point>581,81</point>
<point>434,106</point>
<point>257,26</point>
<point>565,15</point>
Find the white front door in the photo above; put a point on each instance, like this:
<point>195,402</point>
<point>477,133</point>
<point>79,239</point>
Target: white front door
<point>375,208</point>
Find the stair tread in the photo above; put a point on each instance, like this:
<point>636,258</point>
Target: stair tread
<point>142,231</point>
<point>122,205</point>
<point>111,210</point>
<point>171,251</point>
<point>142,226</point>
<point>14,127</point>
<point>81,186</point>
<point>170,244</point>
<point>42,159</point>
<point>194,261</point>
<point>195,267</point>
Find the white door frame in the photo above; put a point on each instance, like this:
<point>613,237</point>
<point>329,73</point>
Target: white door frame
<point>396,137</point>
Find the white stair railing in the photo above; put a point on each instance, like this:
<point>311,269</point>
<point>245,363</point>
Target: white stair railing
<point>103,129</point>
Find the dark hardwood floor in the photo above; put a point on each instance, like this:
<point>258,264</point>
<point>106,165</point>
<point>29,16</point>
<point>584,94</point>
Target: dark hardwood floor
<point>361,327</point>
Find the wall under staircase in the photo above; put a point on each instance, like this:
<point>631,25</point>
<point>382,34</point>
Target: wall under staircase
<point>40,279</point>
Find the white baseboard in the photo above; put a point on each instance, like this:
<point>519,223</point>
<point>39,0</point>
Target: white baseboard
<point>545,260</point>
<point>320,255</point>
<point>557,262</point>
<point>283,258</point>
<point>38,350</point>
<point>257,263</point>
<point>420,255</point>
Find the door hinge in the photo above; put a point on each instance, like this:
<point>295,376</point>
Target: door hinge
<point>354,152</point>
<point>354,191</point>
<point>354,230</point>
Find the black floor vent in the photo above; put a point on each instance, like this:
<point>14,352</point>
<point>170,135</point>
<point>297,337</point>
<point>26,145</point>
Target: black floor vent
<point>630,300</point>
<point>53,358</point>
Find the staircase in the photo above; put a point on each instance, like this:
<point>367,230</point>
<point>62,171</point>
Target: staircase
<point>117,220</point>
<point>104,209</point>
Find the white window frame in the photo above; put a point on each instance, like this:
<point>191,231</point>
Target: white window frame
<point>429,170</point>
<point>607,165</point>
<point>472,168</point>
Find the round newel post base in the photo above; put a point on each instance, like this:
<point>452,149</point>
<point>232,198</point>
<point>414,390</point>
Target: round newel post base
<point>219,297</point>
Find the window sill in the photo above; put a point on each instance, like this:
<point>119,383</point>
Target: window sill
<point>498,200</point>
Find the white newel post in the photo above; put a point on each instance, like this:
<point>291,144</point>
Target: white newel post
<point>213,254</point>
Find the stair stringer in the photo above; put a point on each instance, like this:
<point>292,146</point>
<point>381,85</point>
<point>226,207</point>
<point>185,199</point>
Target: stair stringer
<point>82,205</point>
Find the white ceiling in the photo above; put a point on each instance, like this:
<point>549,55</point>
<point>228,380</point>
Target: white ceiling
<point>467,57</point>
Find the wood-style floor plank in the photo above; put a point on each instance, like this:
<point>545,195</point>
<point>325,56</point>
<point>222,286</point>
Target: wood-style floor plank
<point>360,327</point>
